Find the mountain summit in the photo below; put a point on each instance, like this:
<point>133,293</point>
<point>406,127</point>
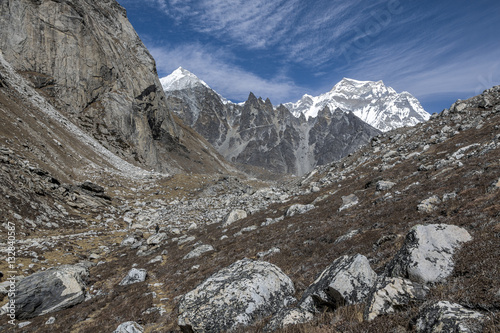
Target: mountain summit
<point>375,103</point>
<point>181,79</point>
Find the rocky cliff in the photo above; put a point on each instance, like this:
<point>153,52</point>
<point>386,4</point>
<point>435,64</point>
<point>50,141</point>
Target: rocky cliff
<point>87,60</point>
<point>256,133</point>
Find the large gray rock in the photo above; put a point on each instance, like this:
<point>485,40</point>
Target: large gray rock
<point>156,239</point>
<point>198,251</point>
<point>443,317</point>
<point>348,202</point>
<point>392,294</point>
<point>129,327</point>
<point>235,296</point>
<point>348,280</point>
<point>49,291</point>
<point>427,253</point>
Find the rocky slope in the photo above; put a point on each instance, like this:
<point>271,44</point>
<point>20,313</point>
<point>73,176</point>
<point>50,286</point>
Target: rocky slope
<point>429,191</point>
<point>256,133</point>
<point>85,58</point>
<point>373,102</point>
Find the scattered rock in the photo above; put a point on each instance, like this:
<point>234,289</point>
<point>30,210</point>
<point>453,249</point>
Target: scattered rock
<point>156,239</point>
<point>50,291</point>
<point>347,236</point>
<point>199,251</point>
<point>427,253</point>
<point>444,317</point>
<point>383,185</point>
<point>235,296</point>
<point>129,327</point>
<point>298,209</point>
<point>348,202</point>
<point>50,321</point>
<point>269,252</point>
<point>288,317</point>
<point>234,216</point>
<point>134,276</point>
<point>347,280</point>
<point>429,205</point>
<point>392,294</point>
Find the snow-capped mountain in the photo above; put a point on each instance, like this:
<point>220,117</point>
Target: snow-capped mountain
<point>373,102</point>
<point>257,133</point>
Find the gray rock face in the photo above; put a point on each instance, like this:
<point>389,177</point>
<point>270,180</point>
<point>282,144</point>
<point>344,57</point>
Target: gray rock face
<point>348,280</point>
<point>50,291</point>
<point>93,67</point>
<point>444,317</point>
<point>235,296</point>
<point>134,276</point>
<point>258,134</point>
<point>392,294</point>
<point>129,327</point>
<point>427,253</point>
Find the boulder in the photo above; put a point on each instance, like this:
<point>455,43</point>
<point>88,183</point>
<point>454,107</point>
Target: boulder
<point>287,317</point>
<point>50,291</point>
<point>444,317</point>
<point>234,216</point>
<point>156,239</point>
<point>129,327</point>
<point>383,185</point>
<point>429,205</point>
<point>134,276</point>
<point>391,294</point>
<point>348,280</point>
<point>235,296</point>
<point>348,202</point>
<point>298,209</point>
<point>427,253</point>
<point>199,251</point>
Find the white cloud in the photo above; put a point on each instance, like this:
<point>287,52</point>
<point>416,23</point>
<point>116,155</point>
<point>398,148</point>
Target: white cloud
<point>216,69</point>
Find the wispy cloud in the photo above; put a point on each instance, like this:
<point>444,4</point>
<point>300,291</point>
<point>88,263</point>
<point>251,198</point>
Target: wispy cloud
<point>216,69</point>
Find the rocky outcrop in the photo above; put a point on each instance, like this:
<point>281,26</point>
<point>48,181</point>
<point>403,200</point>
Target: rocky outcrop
<point>235,296</point>
<point>427,253</point>
<point>50,291</point>
<point>348,280</point>
<point>287,317</point>
<point>444,317</point>
<point>87,60</point>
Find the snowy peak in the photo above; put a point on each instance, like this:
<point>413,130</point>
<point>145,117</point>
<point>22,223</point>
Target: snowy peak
<point>181,79</point>
<point>375,103</point>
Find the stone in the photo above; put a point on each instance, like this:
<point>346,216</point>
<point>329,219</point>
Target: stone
<point>442,317</point>
<point>426,255</point>
<point>50,321</point>
<point>429,205</point>
<point>347,236</point>
<point>298,209</point>
<point>348,280</point>
<point>199,251</point>
<point>129,327</point>
<point>49,291</point>
<point>383,185</point>
<point>134,276</point>
<point>234,216</point>
<point>348,202</point>
<point>234,297</point>
<point>392,294</point>
<point>156,239</point>
<point>287,317</point>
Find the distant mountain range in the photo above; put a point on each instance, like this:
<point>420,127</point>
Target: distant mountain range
<point>292,137</point>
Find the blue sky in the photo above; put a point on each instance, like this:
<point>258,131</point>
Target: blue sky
<point>439,51</point>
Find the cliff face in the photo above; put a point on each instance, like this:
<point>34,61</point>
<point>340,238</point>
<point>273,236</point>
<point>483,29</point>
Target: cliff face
<point>89,62</point>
